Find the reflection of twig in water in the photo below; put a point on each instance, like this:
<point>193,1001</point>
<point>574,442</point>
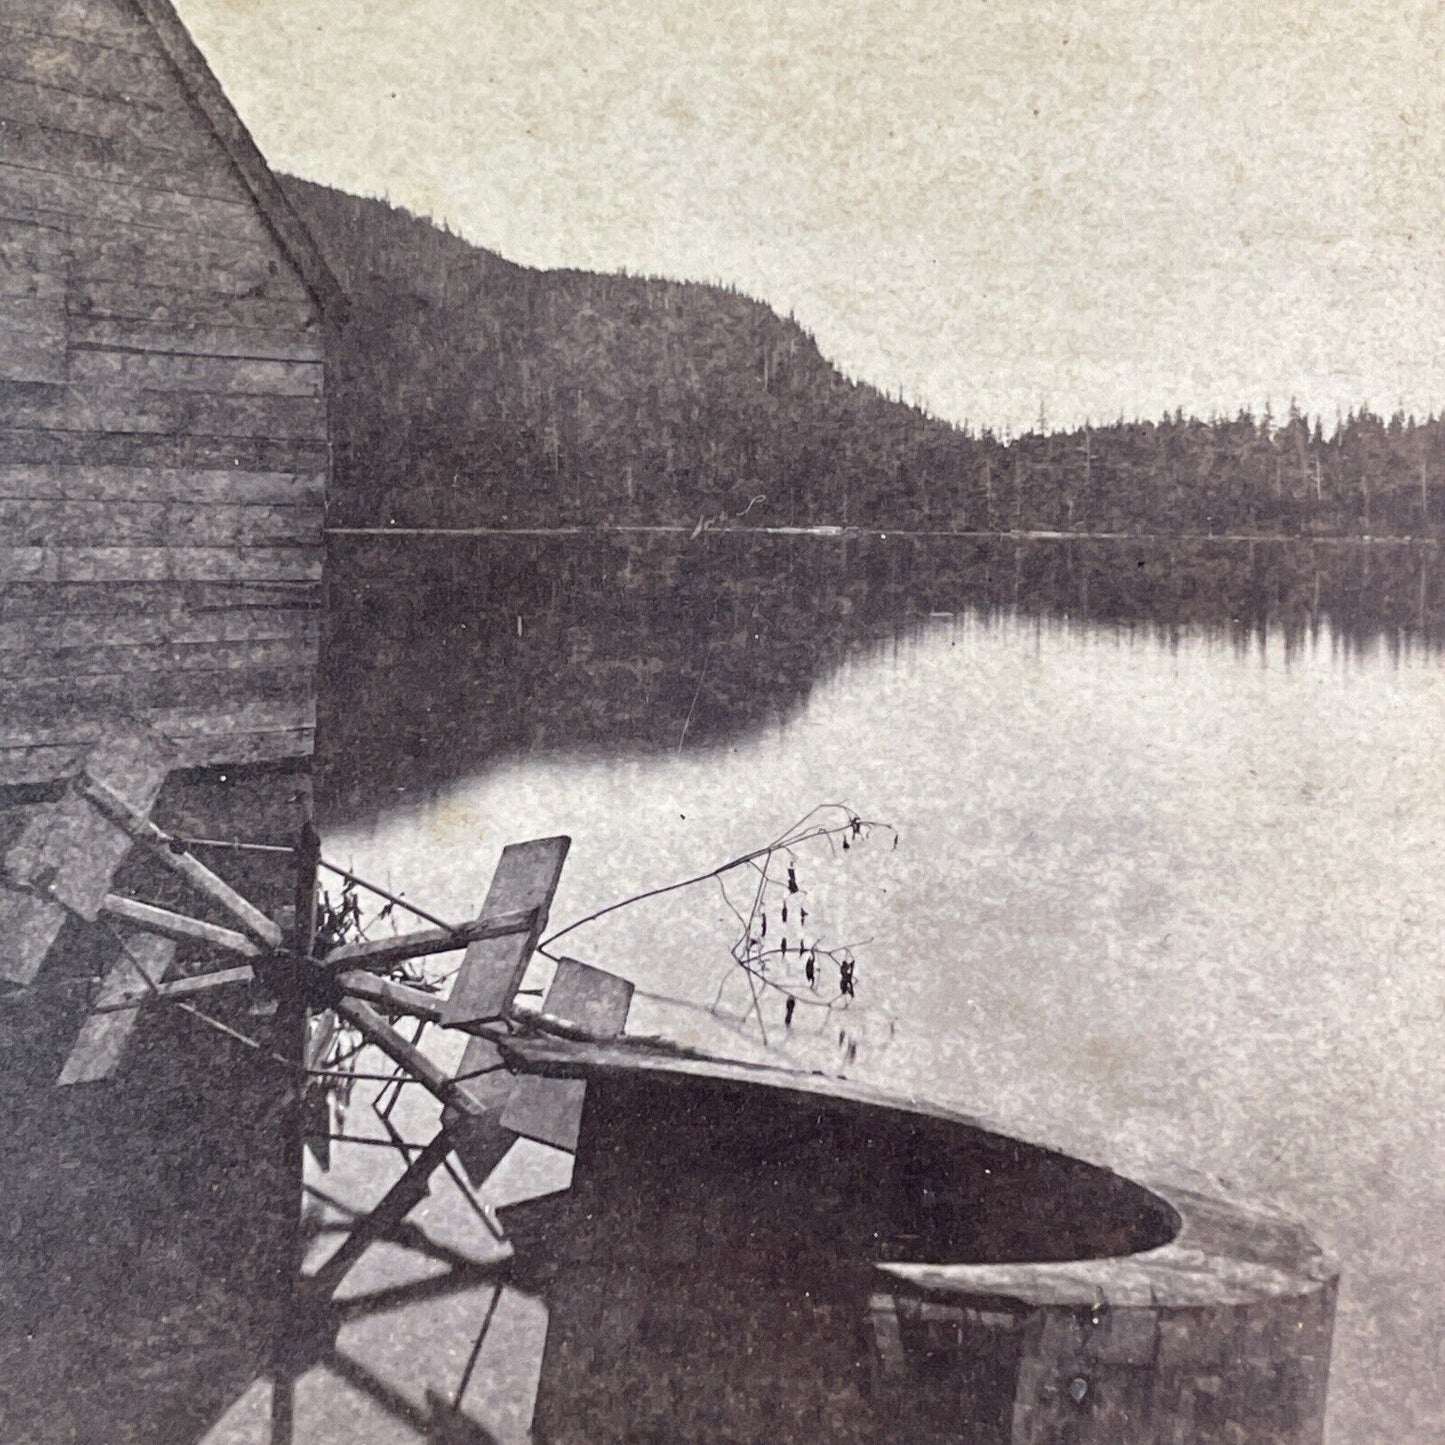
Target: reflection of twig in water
<point>747,930</point>
<point>786,842</point>
<point>749,954</point>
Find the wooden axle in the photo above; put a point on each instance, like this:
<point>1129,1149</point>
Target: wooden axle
<point>345,981</point>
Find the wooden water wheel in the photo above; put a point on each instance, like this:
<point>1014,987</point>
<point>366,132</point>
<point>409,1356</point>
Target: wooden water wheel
<point>63,866</point>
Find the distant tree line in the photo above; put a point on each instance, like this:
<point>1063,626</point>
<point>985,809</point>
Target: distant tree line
<point>471,391</point>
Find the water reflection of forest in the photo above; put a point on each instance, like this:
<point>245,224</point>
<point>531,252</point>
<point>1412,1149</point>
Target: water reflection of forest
<point>444,654</point>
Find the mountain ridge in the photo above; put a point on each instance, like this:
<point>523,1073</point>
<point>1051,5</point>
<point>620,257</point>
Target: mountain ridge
<point>469,390</point>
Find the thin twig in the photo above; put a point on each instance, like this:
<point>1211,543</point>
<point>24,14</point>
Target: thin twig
<point>389,896</point>
<point>788,840</point>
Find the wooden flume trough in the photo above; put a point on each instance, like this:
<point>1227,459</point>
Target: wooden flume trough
<point>909,1273</point>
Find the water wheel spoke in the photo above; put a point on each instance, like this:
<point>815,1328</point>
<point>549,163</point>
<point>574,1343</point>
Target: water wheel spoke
<point>170,853</point>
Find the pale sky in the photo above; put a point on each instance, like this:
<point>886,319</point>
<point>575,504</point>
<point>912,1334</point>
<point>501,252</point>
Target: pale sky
<point>1118,206</point>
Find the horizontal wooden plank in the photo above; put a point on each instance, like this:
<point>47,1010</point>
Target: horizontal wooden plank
<point>195,725</point>
<point>238,747</point>
<point>90,406</point>
<point>213,721</point>
<point>41,763</point>
<point>121,159</point>
<point>203,304</point>
<point>100,1046</point>
<point>155,524</point>
<point>133,255</point>
<point>526,878</point>
<point>57,698</point>
<point>32,404</point>
<point>102,22</point>
<point>27,601</point>
<point>108,278</point>
<point>161,484</point>
<point>170,129</point>
<point>67,634</point>
<point>219,375</point>
<point>92,201</point>
<point>181,338</point>
<point>154,564</point>
<point>21,280</point>
<point>59,665</point>
<point>32,340</point>
<point>28,356</point>
<point>42,316</point>
<point>87,68</point>
<point>200,453</point>
<point>93,406</point>
<point>23,243</point>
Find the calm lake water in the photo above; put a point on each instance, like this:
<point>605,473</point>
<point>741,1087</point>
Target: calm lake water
<point>1166,891</point>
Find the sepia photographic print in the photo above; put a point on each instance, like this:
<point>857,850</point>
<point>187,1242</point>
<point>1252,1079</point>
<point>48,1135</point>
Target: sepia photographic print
<point>720,723</point>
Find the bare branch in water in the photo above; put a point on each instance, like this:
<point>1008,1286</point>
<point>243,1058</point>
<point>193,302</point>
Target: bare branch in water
<point>792,967</point>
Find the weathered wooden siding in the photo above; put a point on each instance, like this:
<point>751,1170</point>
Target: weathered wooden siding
<point>163,435</point>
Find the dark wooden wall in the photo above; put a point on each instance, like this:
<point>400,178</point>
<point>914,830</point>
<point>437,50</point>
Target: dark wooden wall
<point>163,431</point>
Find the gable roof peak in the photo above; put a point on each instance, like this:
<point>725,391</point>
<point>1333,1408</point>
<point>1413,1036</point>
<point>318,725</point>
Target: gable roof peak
<point>271,199</point>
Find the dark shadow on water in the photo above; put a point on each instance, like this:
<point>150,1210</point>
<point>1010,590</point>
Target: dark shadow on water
<point>445,655</point>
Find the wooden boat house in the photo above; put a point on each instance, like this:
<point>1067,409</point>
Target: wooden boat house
<point>163,412</point>
<point>164,460</point>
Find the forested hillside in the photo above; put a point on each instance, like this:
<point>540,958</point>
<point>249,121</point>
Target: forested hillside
<point>471,391</point>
